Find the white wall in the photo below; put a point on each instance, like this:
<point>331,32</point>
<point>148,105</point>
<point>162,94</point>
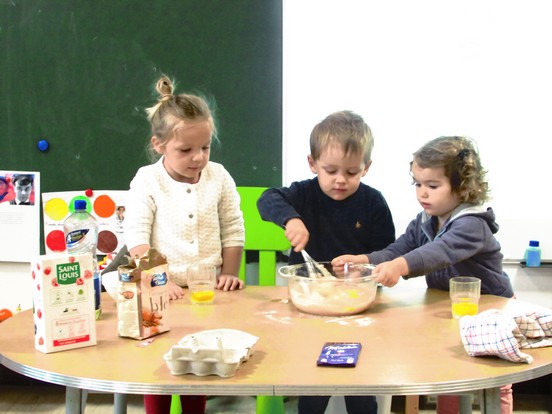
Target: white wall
<point>416,70</point>
<point>531,285</point>
<point>16,282</point>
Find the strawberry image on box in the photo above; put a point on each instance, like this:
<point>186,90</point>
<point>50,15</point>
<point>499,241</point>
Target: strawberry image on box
<point>63,302</point>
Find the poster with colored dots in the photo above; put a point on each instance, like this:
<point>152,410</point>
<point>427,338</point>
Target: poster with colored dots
<point>108,207</point>
<point>19,215</point>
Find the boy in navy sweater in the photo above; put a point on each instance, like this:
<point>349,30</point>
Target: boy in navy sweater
<point>333,213</point>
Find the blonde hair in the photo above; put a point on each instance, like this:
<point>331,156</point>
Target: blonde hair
<point>460,159</point>
<point>171,109</point>
<point>346,129</point>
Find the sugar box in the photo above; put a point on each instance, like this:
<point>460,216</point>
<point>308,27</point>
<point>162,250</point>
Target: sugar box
<point>63,302</point>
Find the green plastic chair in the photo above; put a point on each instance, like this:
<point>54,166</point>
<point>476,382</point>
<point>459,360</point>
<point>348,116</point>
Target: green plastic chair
<point>176,407</point>
<point>265,237</point>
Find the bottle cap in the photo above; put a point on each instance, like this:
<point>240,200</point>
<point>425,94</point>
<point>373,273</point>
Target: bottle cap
<point>534,243</point>
<point>81,205</point>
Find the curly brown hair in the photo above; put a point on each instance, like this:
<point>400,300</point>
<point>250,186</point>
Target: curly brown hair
<point>460,159</point>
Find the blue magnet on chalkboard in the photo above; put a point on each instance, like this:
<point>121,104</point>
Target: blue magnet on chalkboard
<point>43,145</point>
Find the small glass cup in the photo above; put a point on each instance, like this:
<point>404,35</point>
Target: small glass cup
<point>465,292</point>
<point>201,281</point>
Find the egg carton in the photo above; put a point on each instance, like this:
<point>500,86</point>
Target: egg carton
<point>213,352</point>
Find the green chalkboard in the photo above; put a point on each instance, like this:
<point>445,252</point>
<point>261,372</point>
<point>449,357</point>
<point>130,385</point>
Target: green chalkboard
<point>80,73</point>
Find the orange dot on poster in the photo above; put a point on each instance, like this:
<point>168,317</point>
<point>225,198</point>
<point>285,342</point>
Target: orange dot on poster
<point>55,240</point>
<point>56,209</point>
<point>107,241</point>
<point>104,206</point>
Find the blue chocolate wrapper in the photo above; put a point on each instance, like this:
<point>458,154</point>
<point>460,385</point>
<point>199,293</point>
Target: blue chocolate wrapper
<point>339,354</point>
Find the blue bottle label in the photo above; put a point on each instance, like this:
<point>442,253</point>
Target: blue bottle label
<point>75,237</point>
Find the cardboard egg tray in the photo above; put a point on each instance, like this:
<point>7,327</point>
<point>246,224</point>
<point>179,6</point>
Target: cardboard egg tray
<point>213,352</point>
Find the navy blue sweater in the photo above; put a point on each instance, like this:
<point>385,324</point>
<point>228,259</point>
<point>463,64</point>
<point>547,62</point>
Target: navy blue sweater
<point>359,224</point>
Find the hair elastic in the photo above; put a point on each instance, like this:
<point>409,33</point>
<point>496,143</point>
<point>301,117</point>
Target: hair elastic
<point>463,153</point>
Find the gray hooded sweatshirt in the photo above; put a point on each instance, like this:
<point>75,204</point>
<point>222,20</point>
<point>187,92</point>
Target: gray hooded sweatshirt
<point>464,246</point>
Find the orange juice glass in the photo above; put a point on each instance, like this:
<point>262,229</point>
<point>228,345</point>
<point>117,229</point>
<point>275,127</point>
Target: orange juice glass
<point>464,295</point>
<point>201,284</point>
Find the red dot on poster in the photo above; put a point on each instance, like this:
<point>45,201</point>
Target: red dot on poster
<point>55,240</point>
<point>107,241</point>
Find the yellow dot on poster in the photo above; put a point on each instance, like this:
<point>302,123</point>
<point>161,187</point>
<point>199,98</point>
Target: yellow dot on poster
<point>56,209</point>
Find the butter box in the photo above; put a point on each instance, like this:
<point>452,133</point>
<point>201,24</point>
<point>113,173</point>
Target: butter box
<point>63,302</point>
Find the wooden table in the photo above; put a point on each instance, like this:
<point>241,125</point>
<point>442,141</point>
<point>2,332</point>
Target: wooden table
<point>411,346</point>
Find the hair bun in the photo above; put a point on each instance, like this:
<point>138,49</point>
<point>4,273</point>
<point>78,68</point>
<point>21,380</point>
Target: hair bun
<point>164,87</point>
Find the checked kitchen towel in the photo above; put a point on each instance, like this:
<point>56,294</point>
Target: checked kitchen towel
<point>502,334</point>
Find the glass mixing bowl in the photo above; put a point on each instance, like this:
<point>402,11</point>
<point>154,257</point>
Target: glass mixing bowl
<point>347,294</point>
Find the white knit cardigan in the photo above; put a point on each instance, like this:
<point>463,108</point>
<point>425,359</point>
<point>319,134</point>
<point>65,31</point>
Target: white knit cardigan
<point>189,223</point>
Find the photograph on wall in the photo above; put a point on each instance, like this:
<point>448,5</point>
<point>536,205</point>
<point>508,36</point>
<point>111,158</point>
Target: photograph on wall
<point>108,207</point>
<point>19,215</point>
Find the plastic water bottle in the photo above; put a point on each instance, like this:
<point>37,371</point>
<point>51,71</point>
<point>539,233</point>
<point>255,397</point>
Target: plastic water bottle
<point>81,236</point>
<point>533,254</point>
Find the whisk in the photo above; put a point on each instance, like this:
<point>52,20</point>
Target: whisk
<point>314,268</point>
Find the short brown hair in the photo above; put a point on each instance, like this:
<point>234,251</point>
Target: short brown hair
<point>346,129</point>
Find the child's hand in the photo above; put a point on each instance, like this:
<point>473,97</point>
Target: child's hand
<point>297,234</point>
<point>338,263</point>
<point>175,291</point>
<point>389,273</point>
<point>229,282</point>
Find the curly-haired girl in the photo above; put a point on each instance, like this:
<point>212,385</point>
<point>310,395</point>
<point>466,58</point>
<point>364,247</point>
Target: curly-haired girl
<point>453,235</point>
